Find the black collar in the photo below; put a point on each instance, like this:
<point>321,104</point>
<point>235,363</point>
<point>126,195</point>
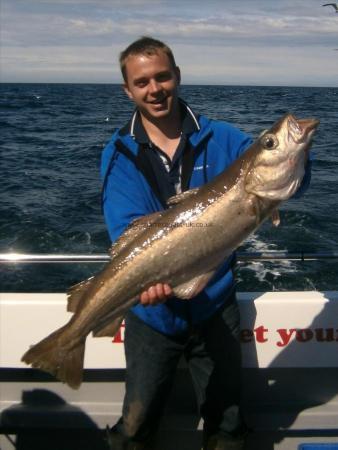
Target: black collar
<point>135,127</point>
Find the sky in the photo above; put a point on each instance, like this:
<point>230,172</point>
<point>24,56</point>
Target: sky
<point>225,42</point>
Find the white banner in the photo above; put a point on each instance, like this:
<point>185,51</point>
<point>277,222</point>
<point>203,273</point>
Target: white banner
<point>278,329</point>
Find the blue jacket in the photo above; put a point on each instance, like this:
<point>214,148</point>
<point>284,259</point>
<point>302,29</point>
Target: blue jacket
<point>127,195</point>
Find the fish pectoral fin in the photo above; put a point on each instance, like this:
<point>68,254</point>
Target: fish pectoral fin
<point>254,209</point>
<point>108,329</point>
<point>75,294</point>
<point>275,218</point>
<point>182,196</point>
<point>193,287</point>
<point>134,229</point>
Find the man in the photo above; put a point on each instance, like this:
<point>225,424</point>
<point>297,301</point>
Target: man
<point>165,149</point>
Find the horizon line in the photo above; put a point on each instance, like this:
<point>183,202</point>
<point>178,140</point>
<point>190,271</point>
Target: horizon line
<point>183,84</point>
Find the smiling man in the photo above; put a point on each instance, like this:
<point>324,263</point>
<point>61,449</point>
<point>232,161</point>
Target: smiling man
<point>164,150</point>
<point>152,82</point>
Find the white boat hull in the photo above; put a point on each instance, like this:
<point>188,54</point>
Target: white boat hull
<point>290,370</point>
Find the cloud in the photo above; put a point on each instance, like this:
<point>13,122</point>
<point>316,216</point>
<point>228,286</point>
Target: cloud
<point>58,30</point>
<point>258,65</point>
<point>61,64</point>
<point>75,36</point>
<point>80,23</point>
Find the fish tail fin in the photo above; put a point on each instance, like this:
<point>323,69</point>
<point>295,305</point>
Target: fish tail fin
<point>62,360</point>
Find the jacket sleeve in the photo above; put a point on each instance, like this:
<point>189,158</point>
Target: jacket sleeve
<point>123,198</point>
<point>230,140</point>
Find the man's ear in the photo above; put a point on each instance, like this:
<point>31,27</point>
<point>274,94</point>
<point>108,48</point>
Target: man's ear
<point>178,74</point>
<point>127,91</point>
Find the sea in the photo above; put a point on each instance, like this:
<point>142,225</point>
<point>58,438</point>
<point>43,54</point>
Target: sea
<point>52,137</point>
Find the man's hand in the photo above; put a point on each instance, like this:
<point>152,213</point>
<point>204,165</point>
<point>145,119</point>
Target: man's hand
<point>156,294</point>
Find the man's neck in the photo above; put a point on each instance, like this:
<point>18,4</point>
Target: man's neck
<point>165,132</point>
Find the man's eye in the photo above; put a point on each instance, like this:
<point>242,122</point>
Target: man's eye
<point>141,84</point>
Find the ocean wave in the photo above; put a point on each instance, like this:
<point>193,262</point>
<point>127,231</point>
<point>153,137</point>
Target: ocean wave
<point>50,185</point>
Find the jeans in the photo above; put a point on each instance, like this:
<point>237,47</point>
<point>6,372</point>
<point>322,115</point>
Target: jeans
<point>212,351</point>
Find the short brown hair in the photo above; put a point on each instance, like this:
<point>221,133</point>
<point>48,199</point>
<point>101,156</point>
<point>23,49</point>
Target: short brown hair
<point>145,45</point>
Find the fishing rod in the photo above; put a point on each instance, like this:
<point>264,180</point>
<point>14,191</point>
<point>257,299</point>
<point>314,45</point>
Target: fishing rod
<point>43,258</point>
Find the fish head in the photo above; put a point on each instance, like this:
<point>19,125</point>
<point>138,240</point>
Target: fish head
<point>277,168</point>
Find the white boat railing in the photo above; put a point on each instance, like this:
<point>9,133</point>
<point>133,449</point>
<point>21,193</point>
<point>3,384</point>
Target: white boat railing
<point>43,258</point>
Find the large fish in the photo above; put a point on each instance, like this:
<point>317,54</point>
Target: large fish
<point>182,246</point>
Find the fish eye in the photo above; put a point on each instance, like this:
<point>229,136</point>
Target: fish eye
<point>269,141</point>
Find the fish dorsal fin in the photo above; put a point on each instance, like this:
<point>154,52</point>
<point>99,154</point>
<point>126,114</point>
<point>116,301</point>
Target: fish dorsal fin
<point>275,217</point>
<point>193,287</point>
<point>135,228</point>
<point>182,196</point>
<point>109,329</point>
<point>75,294</point>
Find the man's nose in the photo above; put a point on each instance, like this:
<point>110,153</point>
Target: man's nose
<point>154,86</point>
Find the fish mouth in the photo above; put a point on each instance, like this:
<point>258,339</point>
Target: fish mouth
<point>301,130</point>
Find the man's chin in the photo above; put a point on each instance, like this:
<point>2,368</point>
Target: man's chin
<point>158,113</point>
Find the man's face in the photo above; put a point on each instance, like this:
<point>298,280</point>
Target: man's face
<point>152,83</point>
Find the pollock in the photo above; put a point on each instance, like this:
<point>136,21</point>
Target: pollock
<point>183,245</point>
